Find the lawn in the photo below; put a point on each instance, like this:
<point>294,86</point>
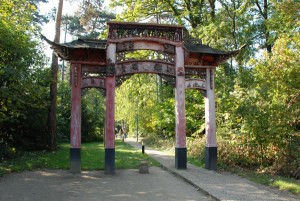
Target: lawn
<point>92,158</point>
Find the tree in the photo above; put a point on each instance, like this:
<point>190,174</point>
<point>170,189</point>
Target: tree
<point>188,13</point>
<point>93,17</point>
<point>53,87</point>
<point>278,85</point>
<point>137,95</point>
<point>23,79</point>
<point>80,30</point>
<point>92,120</point>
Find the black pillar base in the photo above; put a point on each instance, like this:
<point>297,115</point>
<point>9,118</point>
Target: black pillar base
<point>75,160</point>
<point>180,158</point>
<point>211,155</point>
<point>109,161</point>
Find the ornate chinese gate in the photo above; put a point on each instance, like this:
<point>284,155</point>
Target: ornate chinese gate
<point>185,62</point>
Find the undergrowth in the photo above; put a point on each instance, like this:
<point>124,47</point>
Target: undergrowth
<point>236,159</point>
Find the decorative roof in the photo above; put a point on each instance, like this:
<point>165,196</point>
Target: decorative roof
<point>205,49</point>
<point>86,43</point>
<point>119,30</point>
<point>65,50</point>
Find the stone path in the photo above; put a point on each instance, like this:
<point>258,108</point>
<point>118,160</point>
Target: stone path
<point>125,185</point>
<point>217,185</point>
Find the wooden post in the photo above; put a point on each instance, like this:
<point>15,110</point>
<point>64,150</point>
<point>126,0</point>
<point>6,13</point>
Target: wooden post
<point>210,122</point>
<point>75,131</point>
<point>180,149</point>
<point>110,110</point>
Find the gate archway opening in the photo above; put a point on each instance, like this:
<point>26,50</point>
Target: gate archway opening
<point>184,60</point>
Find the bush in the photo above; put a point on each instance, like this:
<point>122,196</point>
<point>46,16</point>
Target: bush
<point>196,147</point>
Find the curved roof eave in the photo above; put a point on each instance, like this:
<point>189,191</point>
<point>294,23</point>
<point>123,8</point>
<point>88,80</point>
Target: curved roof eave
<point>205,49</point>
<point>62,49</point>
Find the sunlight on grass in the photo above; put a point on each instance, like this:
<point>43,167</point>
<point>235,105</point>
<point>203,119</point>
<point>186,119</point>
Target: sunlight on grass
<point>279,182</point>
<point>129,157</point>
<point>292,186</point>
<point>92,158</point>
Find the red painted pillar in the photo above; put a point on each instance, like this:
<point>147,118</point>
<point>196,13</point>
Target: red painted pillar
<point>210,122</point>
<point>110,110</point>
<point>75,134</point>
<point>180,149</point>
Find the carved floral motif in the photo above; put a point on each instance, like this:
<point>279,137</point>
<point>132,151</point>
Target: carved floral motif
<point>126,46</point>
<point>158,67</point>
<point>135,67</point>
<point>169,48</point>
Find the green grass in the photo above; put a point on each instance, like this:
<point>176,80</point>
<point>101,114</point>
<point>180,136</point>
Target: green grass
<point>282,183</point>
<point>92,158</point>
<point>196,161</point>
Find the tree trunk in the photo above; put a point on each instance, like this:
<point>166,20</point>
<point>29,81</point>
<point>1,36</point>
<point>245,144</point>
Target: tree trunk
<point>264,13</point>
<point>53,85</point>
<point>212,5</point>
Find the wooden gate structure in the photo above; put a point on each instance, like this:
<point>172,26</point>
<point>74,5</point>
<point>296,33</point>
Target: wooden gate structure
<point>185,62</point>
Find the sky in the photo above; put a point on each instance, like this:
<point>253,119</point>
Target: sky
<point>48,29</point>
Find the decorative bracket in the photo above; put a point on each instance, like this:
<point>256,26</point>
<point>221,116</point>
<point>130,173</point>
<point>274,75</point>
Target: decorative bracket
<point>180,71</point>
<point>110,68</point>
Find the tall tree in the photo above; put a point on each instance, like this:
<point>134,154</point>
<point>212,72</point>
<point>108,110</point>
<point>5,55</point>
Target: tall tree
<point>189,13</point>
<point>89,21</point>
<point>264,11</point>
<point>53,86</point>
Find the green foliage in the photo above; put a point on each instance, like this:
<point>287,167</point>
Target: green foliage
<point>194,113</point>
<point>136,98</point>
<point>196,148</point>
<point>165,118</point>
<point>92,114</point>
<point>189,13</point>
<point>89,21</point>
<point>63,111</point>
<point>92,119</point>
<point>160,143</point>
<point>257,92</point>
<point>23,80</point>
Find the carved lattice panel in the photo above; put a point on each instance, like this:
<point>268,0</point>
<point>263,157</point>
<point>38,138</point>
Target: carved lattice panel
<point>129,30</point>
<point>90,82</point>
<point>144,67</point>
<point>195,73</point>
